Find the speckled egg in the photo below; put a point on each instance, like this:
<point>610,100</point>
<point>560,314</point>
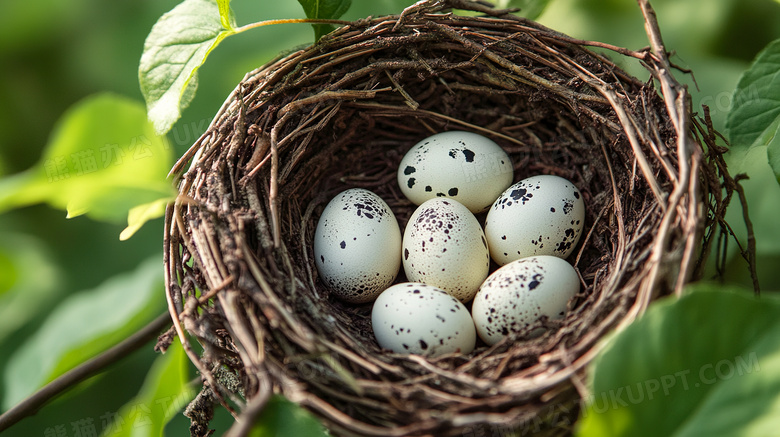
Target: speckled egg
<point>444,246</point>
<point>540,215</point>
<point>357,245</point>
<point>421,319</point>
<point>464,166</point>
<point>517,294</point>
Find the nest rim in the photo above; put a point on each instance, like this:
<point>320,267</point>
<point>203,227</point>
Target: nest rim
<point>217,279</point>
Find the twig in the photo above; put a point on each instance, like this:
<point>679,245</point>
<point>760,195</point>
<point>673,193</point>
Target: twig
<point>750,254</point>
<point>639,54</point>
<point>633,139</point>
<point>423,6</point>
<point>50,391</point>
<point>523,75</point>
<point>677,102</point>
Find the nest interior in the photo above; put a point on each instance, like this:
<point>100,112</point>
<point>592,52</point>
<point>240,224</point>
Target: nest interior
<point>240,273</point>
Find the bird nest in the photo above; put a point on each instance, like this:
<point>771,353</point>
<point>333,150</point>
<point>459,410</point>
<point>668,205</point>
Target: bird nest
<point>240,275</point>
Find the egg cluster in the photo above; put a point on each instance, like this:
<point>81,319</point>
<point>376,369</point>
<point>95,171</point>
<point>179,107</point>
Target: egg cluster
<point>530,227</point>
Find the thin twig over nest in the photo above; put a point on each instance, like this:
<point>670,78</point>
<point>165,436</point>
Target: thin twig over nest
<point>341,114</point>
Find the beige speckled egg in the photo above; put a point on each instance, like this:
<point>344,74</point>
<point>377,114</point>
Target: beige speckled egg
<point>464,166</point>
<point>444,246</point>
<point>357,245</point>
<point>517,294</point>
<point>421,319</point>
<point>540,215</point>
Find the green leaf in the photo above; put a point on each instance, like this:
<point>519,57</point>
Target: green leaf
<point>324,9</point>
<point>8,273</point>
<point>164,393</point>
<point>102,159</point>
<point>754,118</point>
<point>141,214</point>
<point>28,279</point>
<point>282,418</point>
<point>530,9</point>
<point>225,14</point>
<point>84,325</point>
<point>706,364</point>
<point>177,46</point>
<point>773,154</point>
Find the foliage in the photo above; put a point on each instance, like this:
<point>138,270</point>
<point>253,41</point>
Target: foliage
<point>528,8</point>
<point>102,159</point>
<point>176,47</point>
<point>164,393</point>
<point>83,326</point>
<point>183,38</point>
<point>138,215</point>
<point>324,9</point>
<point>754,120</point>
<point>706,364</point>
<point>28,277</point>
<point>281,418</point>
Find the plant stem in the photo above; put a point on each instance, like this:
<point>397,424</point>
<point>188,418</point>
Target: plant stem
<point>289,21</point>
<point>50,391</point>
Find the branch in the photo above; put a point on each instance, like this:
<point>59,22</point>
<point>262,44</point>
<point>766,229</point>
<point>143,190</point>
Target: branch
<point>50,391</point>
<point>675,95</point>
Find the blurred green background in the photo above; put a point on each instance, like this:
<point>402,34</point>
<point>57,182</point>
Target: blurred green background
<point>53,53</point>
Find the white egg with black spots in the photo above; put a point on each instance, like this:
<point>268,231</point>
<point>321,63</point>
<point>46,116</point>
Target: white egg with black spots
<point>444,246</point>
<point>464,166</point>
<point>421,319</point>
<point>357,245</point>
<point>540,215</point>
<point>519,293</point>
